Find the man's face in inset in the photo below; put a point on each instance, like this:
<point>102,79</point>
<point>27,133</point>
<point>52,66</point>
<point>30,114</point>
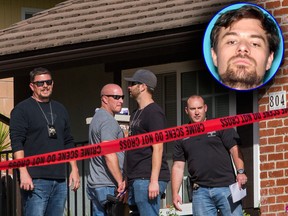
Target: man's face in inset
<point>242,55</point>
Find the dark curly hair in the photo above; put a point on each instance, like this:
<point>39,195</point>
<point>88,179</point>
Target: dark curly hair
<point>247,11</point>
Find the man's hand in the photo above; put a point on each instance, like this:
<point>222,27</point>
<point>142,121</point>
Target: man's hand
<point>176,201</point>
<point>74,180</point>
<point>26,182</point>
<point>153,189</point>
<point>241,179</point>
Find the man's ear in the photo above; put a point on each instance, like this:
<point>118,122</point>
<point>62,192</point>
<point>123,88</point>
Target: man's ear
<point>214,56</point>
<point>270,61</point>
<point>186,110</point>
<point>31,86</point>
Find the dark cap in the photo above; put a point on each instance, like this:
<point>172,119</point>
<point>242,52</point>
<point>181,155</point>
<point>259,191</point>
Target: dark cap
<point>144,76</point>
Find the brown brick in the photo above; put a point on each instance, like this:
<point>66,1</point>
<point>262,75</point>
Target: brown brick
<point>267,149</point>
<point>274,123</point>
<point>264,192</point>
<point>267,166</point>
<point>263,175</point>
<point>267,183</point>
<point>272,4</point>
<point>274,89</point>
<point>282,182</point>
<point>282,164</point>
<point>269,199</point>
<point>263,124</point>
<point>281,80</point>
<point>275,157</point>
<point>268,132</point>
<point>264,100</point>
<point>285,121</point>
<point>276,190</point>
<point>263,209</point>
<point>276,174</point>
<point>264,158</point>
<point>276,207</point>
<point>281,199</point>
<point>263,141</point>
<point>281,131</point>
<point>282,147</point>
<point>284,2</point>
<point>275,140</point>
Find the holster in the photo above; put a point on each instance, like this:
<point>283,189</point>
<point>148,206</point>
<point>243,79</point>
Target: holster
<point>190,187</point>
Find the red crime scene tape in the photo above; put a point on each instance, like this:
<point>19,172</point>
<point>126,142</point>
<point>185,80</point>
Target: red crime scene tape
<point>142,140</point>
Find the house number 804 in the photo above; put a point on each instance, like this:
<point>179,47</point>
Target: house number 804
<point>277,100</point>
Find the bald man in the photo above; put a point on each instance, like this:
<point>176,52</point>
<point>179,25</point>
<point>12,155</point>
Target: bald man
<point>106,172</point>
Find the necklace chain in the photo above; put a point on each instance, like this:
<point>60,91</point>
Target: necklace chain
<point>52,120</point>
<point>134,121</point>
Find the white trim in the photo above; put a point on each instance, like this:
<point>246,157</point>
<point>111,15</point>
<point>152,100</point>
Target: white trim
<point>256,155</point>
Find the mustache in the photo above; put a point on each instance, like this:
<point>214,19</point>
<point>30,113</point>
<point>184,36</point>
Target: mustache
<point>244,56</point>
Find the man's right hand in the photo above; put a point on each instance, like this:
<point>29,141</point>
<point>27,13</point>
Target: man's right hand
<point>26,182</point>
<point>176,201</point>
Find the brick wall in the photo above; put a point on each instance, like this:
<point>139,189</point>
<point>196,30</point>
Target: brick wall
<point>273,133</point>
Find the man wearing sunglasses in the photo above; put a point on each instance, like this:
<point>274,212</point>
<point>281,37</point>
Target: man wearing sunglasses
<point>147,169</point>
<point>106,172</point>
<point>40,125</point>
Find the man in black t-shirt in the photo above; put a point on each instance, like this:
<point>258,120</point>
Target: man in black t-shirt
<point>40,125</point>
<point>147,169</point>
<point>210,166</point>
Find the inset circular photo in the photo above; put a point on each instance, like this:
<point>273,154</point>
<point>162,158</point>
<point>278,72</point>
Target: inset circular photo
<point>243,46</point>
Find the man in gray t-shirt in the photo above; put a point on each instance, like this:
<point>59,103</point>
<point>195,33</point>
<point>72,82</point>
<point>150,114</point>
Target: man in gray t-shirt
<point>106,172</point>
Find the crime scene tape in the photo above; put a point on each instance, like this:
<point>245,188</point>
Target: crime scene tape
<point>142,140</point>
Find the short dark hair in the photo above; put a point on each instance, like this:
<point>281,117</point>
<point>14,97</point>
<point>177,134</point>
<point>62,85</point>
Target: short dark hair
<point>247,11</point>
<point>38,71</point>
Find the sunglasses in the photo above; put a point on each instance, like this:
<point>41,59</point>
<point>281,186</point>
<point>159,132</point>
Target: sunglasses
<point>116,97</point>
<point>134,83</point>
<point>41,83</point>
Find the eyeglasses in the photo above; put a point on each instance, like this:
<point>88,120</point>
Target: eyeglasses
<point>41,83</point>
<point>134,83</point>
<point>116,97</point>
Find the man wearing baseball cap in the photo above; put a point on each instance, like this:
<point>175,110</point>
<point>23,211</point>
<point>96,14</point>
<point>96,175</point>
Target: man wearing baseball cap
<point>147,169</point>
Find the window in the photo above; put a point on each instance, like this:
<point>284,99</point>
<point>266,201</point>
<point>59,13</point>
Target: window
<point>201,83</point>
<point>28,12</point>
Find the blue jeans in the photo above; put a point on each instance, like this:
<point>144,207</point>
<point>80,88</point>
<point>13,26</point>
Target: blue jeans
<point>138,195</point>
<point>206,201</point>
<point>98,196</point>
<point>47,199</point>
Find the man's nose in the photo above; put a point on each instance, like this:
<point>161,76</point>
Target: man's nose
<point>243,48</point>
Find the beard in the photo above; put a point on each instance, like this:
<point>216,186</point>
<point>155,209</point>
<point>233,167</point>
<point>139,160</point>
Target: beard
<point>241,76</point>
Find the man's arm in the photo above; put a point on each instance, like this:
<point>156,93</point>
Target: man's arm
<point>156,166</point>
<point>74,178</point>
<point>26,182</point>
<point>237,157</point>
<point>176,182</point>
<point>113,166</point>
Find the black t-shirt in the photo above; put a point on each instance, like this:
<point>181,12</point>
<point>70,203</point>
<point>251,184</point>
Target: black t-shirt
<point>29,132</point>
<point>208,157</point>
<point>139,161</point>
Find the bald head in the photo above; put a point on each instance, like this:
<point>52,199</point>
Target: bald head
<point>112,98</point>
<point>111,89</point>
<point>196,108</point>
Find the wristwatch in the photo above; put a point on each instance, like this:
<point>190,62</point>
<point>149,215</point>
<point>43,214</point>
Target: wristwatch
<point>240,171</point>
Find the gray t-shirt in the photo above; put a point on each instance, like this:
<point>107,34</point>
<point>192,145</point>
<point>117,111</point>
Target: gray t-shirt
<point>103,127</point>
